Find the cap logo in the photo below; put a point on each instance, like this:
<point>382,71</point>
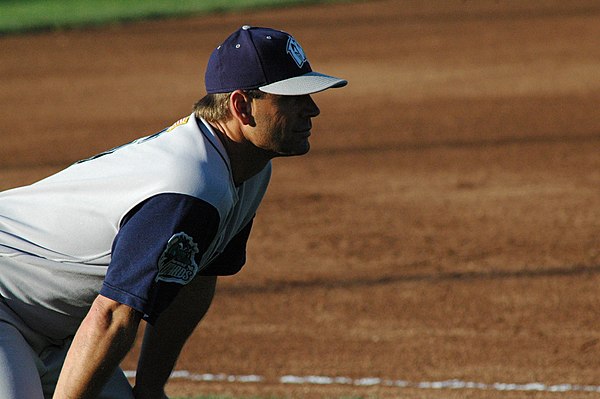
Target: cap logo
<point>296,52</point>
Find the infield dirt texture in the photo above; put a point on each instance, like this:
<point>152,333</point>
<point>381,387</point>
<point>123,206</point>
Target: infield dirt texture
<point>446,224</point>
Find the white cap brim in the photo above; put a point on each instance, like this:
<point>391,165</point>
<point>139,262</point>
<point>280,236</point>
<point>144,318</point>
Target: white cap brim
<point>312,82</point>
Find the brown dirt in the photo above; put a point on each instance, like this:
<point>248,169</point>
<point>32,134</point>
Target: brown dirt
<point>446,224</point>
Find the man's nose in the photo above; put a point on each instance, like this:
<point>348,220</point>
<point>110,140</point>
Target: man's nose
<point>312,109</point>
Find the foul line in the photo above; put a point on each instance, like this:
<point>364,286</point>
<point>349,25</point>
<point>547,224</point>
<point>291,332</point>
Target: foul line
<point>372,381</point>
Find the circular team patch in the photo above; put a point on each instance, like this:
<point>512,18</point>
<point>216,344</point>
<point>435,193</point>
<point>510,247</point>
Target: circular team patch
<point>177,263</point>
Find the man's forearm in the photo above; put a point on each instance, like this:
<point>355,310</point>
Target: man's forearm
<point>164,341</point>
<point>103,339</point>
<point>155,365</point>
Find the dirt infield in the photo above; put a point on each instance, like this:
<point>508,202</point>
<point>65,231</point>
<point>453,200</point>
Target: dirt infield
<point>446,224</point>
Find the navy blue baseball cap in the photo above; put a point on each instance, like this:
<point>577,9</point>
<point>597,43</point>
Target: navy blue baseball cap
<point>266,59</point>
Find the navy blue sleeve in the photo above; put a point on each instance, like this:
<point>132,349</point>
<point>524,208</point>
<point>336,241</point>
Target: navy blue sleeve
<point>233,257</point>
<point>157,251</point>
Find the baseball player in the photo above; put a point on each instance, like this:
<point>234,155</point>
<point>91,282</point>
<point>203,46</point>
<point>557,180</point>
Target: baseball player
<point>143,230</point>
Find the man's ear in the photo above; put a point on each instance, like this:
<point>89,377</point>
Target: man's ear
<point>240,105</point>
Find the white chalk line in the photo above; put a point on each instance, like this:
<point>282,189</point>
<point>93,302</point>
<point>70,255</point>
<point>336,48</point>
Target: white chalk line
<point>373,381</point>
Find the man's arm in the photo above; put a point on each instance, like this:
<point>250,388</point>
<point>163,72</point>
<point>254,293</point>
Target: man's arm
<point>103,339</point>
<point>163,341</point>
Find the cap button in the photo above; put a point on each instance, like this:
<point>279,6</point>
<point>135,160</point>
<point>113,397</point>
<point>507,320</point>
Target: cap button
<point>246,27</point>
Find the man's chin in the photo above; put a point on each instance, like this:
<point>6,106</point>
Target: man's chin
<point>296,151</point>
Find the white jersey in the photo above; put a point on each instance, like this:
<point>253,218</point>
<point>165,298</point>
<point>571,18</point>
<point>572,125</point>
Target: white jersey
<point>63,229</point>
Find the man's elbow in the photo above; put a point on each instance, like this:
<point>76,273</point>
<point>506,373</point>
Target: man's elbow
<point>113,319</point>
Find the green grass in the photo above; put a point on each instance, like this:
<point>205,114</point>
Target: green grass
<point>30,15</point>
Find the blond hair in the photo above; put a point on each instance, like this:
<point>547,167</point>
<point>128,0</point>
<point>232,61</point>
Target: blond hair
<point>215,107</point>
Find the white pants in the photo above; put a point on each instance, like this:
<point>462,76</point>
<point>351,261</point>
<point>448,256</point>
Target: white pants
<point>30,366</point>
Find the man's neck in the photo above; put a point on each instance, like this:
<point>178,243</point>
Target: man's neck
<point>246,160</point>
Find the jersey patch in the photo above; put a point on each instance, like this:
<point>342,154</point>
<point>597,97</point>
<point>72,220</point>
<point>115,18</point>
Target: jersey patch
<point>177,263</point>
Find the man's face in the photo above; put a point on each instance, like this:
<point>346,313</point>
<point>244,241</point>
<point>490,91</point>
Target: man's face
<point>283,124</point>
